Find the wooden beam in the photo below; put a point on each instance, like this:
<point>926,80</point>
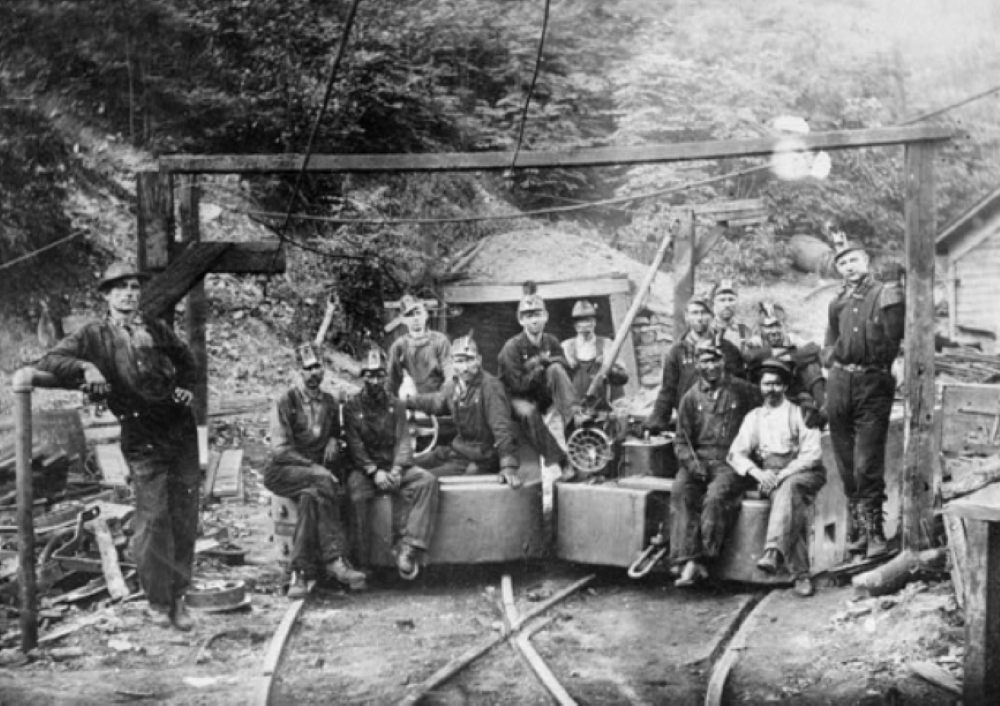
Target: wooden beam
<point>917,497</point>
<point>262,257</point>
<point>619,312</point>
<point>981,682</point>
<point>196,307</point>
<point>583,157</point>
<point>684,265</point>
<point>155,220</point>
<point>161,295</point>
<point>568,289</point>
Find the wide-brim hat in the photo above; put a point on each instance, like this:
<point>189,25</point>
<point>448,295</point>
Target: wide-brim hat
<point>584,309</point>
<point>118,271</point>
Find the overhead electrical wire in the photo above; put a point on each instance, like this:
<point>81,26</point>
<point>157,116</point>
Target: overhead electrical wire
<point>531,86</point>
<point>42,249</point>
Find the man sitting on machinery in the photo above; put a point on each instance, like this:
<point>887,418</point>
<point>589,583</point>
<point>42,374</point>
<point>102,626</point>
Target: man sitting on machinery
<point>782,453</point>
<point>381,450</point>
<point>707,491</point>
<point>486,438</point>
<point>680,370</point>
<point>305,454</point>
<point>533,369</point>
<point>806,384</point>
<point>422,354</point>
<point>585,356</point>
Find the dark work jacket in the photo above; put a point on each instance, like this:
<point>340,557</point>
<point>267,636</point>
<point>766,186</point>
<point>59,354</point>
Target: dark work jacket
<point>144,369</point>
<point>709,420</point>
<point>482,418</point>
<point>428,362</point>
<point>293,440</point>
<point>680,372</point>
<point>866,325</point>
<point>521,365</point>
<point>378,436</point>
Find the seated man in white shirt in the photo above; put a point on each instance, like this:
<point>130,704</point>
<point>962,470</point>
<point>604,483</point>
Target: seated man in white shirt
<point>775,447</point>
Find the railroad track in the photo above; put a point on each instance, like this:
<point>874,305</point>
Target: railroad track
<point>277,678</point>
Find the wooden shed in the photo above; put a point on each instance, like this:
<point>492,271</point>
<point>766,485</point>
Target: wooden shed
<point>565,268</point>
<point>969,251</point>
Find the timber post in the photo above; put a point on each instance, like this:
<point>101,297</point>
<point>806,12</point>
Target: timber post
<point>916,493</point>
<point>22,386</point>
<point>684,267</point>
<point>196,308</point>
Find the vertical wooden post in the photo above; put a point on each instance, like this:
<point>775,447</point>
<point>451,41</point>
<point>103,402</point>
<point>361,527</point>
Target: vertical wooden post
<point>21,386</point>
<point>626,356</point>
<point>197,303</point>
<point>683,269</point>
<point>981,682</point>
<point>917,501</point>
<point>155,226</point>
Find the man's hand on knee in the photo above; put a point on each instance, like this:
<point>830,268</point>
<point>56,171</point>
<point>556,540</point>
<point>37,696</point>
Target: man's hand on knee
<point>511,477</point>
<point>383,481</point>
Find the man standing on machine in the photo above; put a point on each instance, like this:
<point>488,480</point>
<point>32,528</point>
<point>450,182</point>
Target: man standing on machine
<point>423,354</point>
<point>585,356</point>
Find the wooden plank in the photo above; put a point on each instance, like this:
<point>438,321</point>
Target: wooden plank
<point>567,289</point>
<point>114,467</point>
<point>164,291</point>
<point>619,310</point>
<point>110,566</point>
<point>725,207</point>
<point>982,616</point>
<point>196,306</point>
<point>930,672</point>
<point>264,257</point>
<point>983,505</point>
<point>917,496</point>
<point>683,274</point>
<point>155,213</point>
<point>227,476</point>
<point>954,528</point>
<point>262,692</point>
<point>962,432</point>
<point>581,157</point>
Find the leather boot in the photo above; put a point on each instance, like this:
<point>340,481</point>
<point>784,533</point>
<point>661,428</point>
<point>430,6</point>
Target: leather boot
<point>298,587</point>
<point>180,616</point>
<point>343,572</point>
<point>877,544</point>
<point>857,538</point>
<point>407,562</point>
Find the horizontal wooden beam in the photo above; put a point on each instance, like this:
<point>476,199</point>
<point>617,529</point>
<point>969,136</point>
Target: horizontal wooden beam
<point>569,289</point>
<point>583,157</point>
<point>264,258</point>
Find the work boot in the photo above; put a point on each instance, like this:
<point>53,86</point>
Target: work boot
<point>857,538</point>
<point>407,562</point>
<point>158,615</point>
<point>298,587</point>
<point>180,616</point>
<point>877,544</point>
<point>567,474</point>
<point>804,586</point>
<point>346,574</point>
<point>770,562</point>
<point>692,574</point>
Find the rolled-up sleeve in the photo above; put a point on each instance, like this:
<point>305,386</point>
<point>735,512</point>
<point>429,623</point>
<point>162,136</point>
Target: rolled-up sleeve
<point>740,452</point>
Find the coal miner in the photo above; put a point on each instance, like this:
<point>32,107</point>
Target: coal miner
<point>863,336</point>
<point>423,354</point>
<point>533,368</point>
<point>707,491</point>
<point>782,453</point>
<point>806,386</point>
<point>146,375</point>
<point>680,369</point>
<point>381,450</point>
<point>305,464</point>
<point>585,355</point>
<point>486,436</point>
<point>724,300</point>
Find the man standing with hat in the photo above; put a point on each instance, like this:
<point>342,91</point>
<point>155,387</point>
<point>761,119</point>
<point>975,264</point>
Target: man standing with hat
<point>585,355</point>
<point>304,462</point>
<point>533,368</point>
<point>863,336</point>
<point>782,453</point>
<point>486,439</point>
<point>423,354</point>
<point>707,491</point>
<point>724,299</point>
<point>378,439</point>
<point>680,369</point>
<point>146,374</point>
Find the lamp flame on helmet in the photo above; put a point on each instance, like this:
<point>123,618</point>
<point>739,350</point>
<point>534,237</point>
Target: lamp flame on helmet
<point>373,362</point>
<point>464,346</point>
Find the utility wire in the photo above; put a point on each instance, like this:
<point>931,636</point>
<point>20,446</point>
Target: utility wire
<point>523,214</point>
<point>42,249</point>
<point>531,86</point>
<point>959,104</point>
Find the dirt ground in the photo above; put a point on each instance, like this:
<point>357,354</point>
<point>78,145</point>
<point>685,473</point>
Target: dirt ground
<point>615,642</point>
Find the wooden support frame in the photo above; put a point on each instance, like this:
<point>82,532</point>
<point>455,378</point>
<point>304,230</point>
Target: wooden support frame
<point>196,308</point>
<point>684,264</point>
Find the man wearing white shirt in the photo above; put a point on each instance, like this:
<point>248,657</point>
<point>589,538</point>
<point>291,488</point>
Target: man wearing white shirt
<point>776,448</point>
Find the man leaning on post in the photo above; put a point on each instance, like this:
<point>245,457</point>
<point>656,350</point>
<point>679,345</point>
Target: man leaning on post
<point>146,374</point>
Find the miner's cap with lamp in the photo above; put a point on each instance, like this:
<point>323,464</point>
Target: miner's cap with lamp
<point>584,309</point>
<point>116,272</point>
<point>464,347</point>
<point>724,286</point>
<point>409,305</point>
<point>373,362</point>
<point>531,300</point>
<point>779,367</point>
<point>770,314</point>
<point>709,347</point>
<point>843,245</point>
<point>703,302</point>
<point>308,356</point>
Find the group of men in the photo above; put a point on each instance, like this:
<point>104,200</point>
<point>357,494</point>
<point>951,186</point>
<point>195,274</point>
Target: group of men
<point>750,409</point>
<point>146,375</point>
